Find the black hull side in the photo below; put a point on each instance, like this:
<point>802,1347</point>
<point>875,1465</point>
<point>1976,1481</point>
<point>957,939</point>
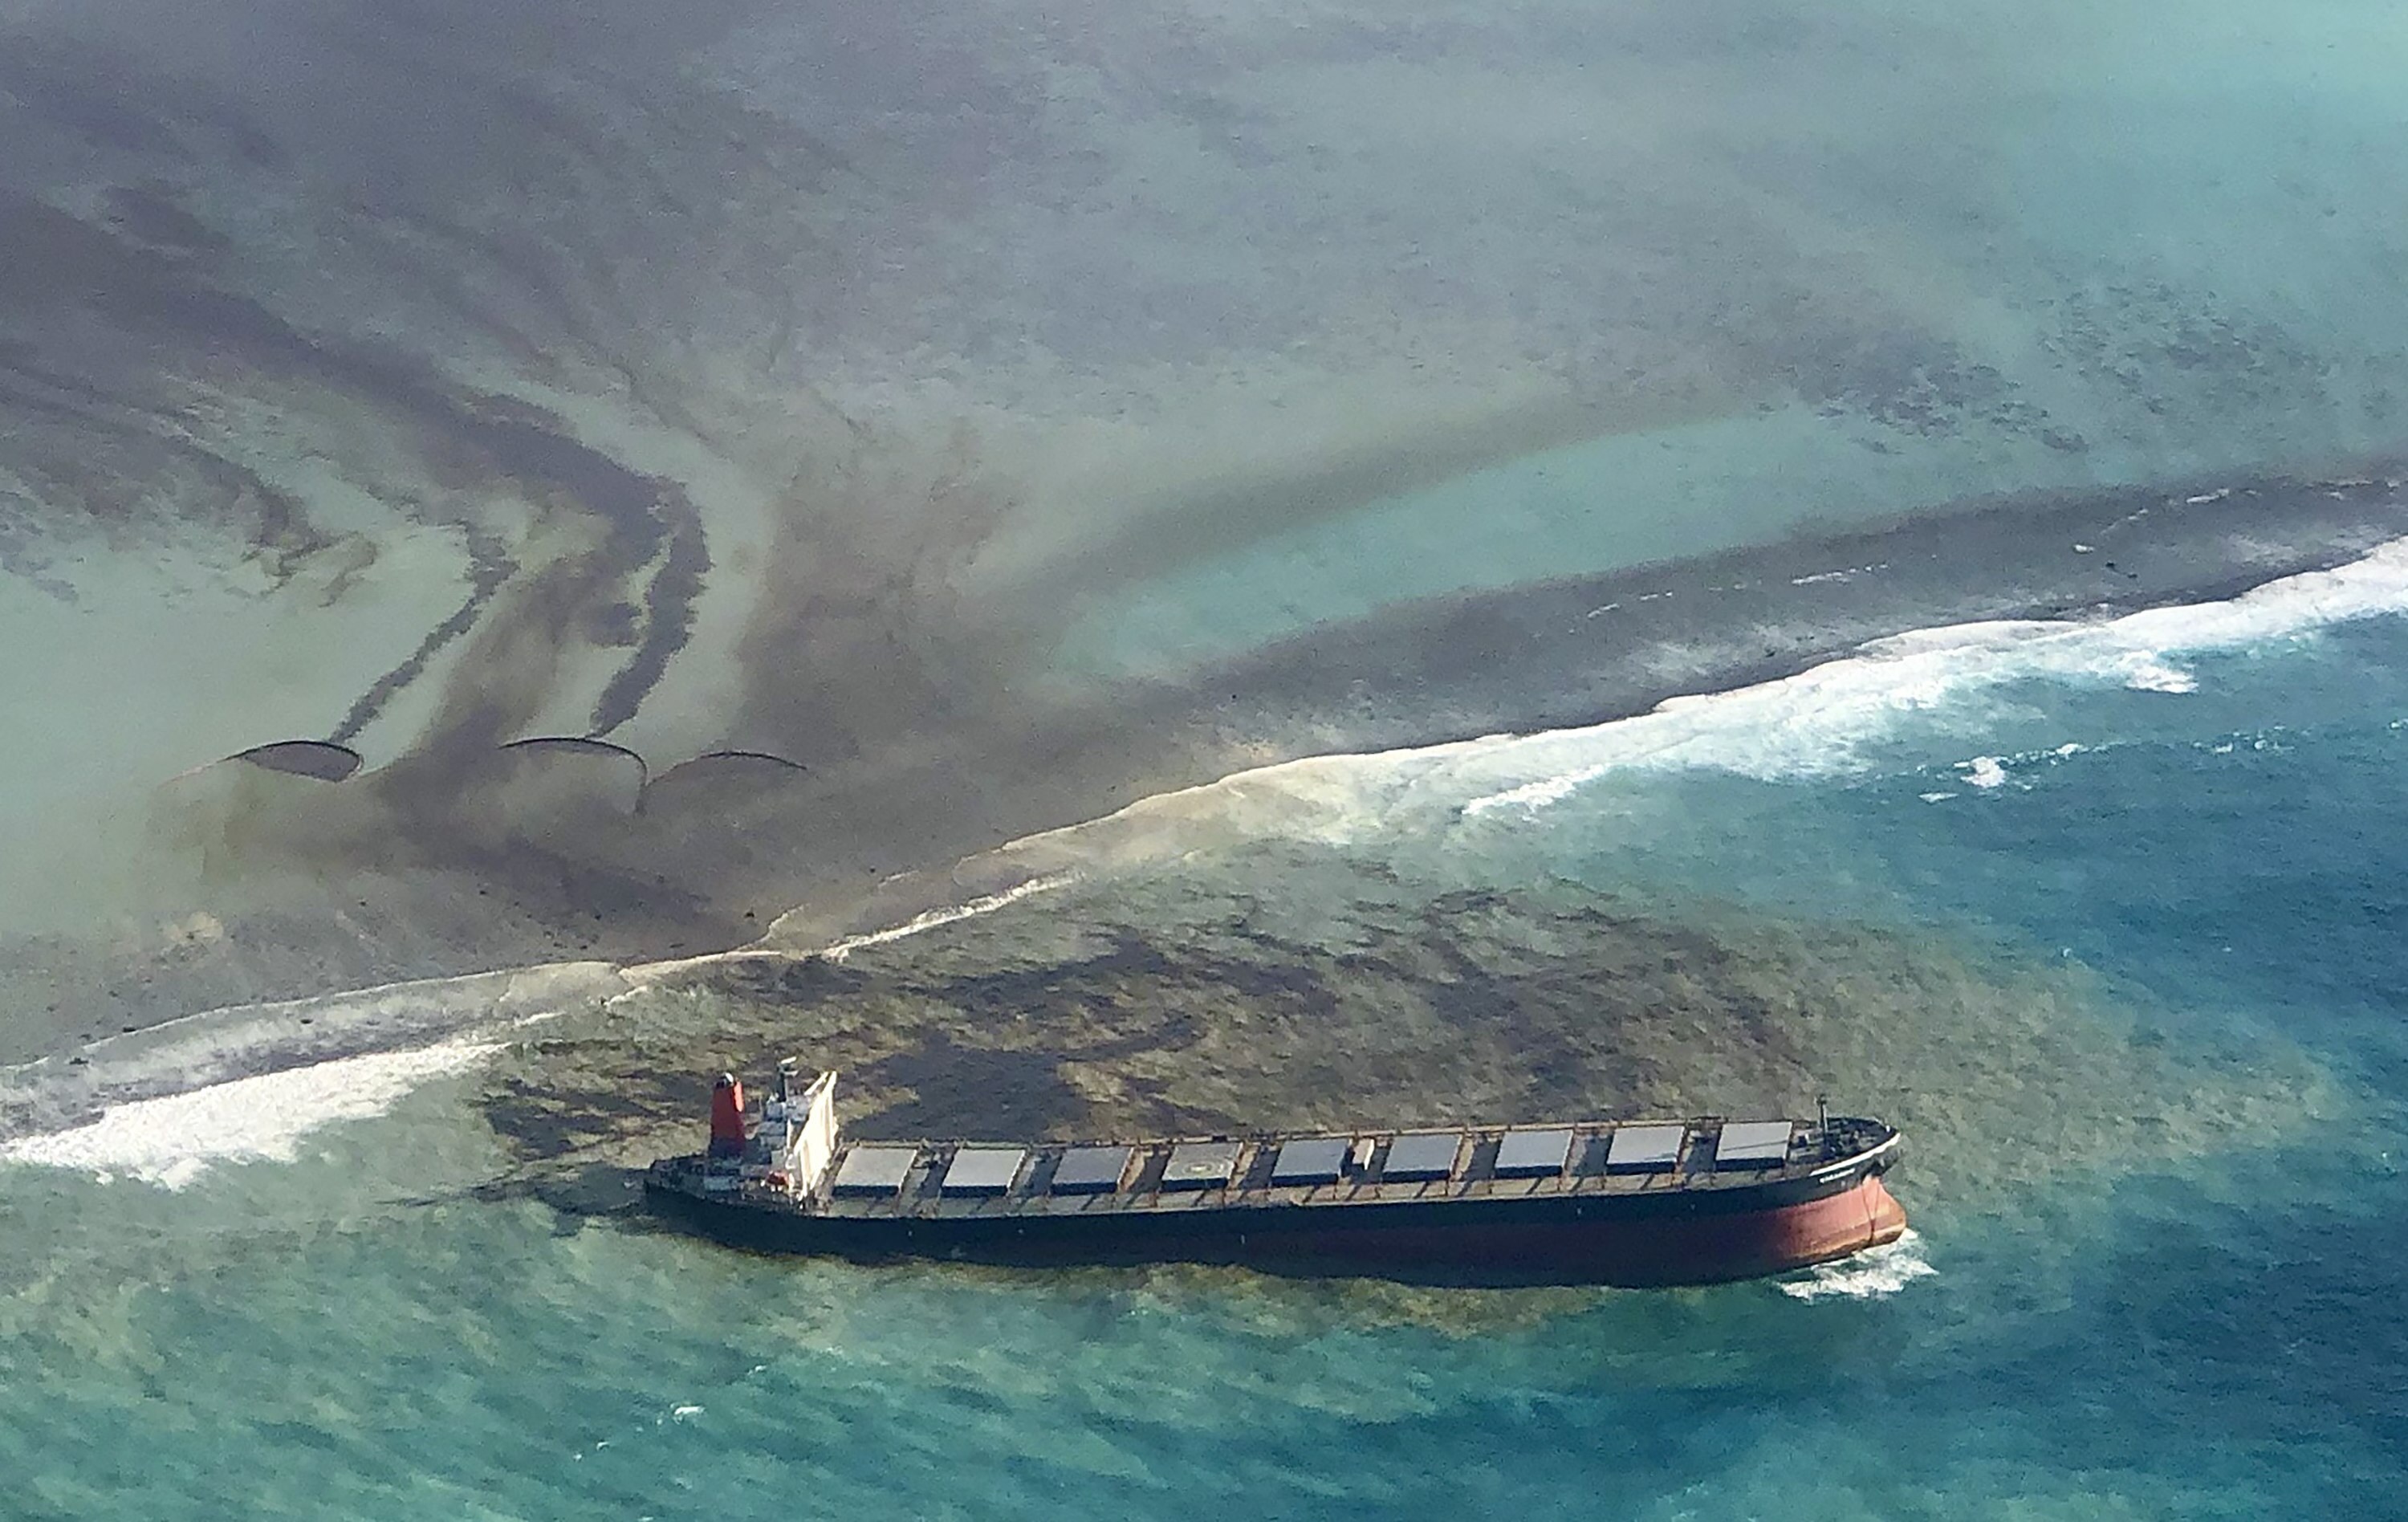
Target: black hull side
<point>1681,1236</point>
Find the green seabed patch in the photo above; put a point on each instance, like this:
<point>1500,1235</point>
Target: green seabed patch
<point>1313,992</point>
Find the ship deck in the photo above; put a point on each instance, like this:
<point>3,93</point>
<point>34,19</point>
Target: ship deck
<point>968,1181</point>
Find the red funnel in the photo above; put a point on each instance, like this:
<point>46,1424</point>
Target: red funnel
<point>727,1117</point>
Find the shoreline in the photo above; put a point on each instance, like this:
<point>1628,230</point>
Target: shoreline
<point>1531,659</point>
<point>1588,649</point>
<point>709,864</point>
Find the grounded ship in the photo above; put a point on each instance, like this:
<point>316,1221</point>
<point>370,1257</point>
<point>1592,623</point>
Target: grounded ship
<point>1638,1202</point>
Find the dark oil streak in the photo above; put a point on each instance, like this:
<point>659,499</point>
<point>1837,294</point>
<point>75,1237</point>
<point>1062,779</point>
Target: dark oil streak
<point>489,567</point>
<point>283,521</point>
<point>668,622</point>
<point>642,514</point>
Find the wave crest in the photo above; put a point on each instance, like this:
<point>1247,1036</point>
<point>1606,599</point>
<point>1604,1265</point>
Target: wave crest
<point>1875,1273</point>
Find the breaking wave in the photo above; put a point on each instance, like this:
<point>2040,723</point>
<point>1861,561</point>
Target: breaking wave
<point>216,1048</point>
<point>1876,1273</point>
<point>932,919</point>
<point>1815,723</point>
<point>172,1140</point>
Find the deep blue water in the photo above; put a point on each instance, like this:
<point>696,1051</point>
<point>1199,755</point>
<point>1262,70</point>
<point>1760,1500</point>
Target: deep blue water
<point>2214,1328</point>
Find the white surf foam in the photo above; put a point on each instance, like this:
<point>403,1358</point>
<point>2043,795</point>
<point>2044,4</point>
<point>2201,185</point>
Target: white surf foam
<point>1872,1274</point>
<point>1983,771</point>
<point>2149,676</point>
<point>216,1046</point>
<point>839,951</point>
<point>1817,722</point>
<point>641,975</point>
<point>172,1140</point>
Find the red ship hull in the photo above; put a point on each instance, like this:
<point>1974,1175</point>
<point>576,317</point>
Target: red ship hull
<point>1663,1250</point>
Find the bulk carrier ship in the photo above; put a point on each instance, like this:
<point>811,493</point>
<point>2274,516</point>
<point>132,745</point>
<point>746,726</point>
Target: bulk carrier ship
<point>1637,1202</point>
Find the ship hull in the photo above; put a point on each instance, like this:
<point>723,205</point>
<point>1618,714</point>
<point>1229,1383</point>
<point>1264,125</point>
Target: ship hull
<point>1668,1238</point>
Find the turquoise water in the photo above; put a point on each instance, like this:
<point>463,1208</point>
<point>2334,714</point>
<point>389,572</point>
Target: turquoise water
<point>2209,1329</point>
